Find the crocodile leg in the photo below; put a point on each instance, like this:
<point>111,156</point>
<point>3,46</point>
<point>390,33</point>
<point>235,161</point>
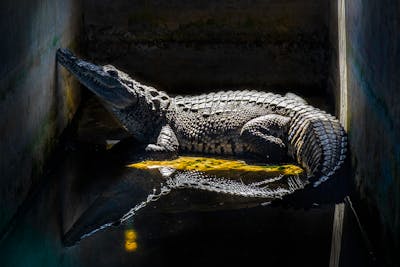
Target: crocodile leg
<point>167,144</point>
<point>266,133</point>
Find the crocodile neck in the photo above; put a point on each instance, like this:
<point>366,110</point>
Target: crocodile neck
<point>144,118</point>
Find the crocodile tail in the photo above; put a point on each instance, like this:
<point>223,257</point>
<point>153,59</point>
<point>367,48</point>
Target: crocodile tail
<point>318,142</point>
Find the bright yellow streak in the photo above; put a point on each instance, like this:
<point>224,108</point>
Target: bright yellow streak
<point>130,240</point>
<point>214,164</point>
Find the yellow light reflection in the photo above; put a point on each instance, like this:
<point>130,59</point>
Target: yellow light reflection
<point>130,246</point>
<point>130,240</point>
<point>213,164</point>
<point>130,234</point>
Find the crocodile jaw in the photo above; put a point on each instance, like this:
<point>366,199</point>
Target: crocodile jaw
<point>106,82</point>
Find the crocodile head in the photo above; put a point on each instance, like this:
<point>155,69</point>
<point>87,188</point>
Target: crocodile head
<point>107,82</point>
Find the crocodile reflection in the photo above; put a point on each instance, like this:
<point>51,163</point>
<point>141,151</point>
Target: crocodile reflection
<point>184,184</point>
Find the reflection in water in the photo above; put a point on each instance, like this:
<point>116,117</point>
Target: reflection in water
<point>229,183</point>
<point>130,240</point>
<point>114,193</point>
<point>191,225</point>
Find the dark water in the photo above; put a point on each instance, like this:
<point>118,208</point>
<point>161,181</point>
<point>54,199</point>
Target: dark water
<point>84,190</point>
<point>87,187</point>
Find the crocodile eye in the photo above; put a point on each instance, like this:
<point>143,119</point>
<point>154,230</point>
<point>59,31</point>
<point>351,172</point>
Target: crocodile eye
<point>112,73</point>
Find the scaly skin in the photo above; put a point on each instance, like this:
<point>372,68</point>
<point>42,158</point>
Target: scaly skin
<point>241,123</point>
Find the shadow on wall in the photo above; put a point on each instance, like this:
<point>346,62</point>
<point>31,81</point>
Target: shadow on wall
<point>186,47</point>
<point>34,105</point>
<point>374,114</point>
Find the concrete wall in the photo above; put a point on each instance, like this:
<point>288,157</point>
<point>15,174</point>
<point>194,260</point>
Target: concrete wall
<point>36,101</point>
<point>333,82</point>
<point>373,117</point>
<point>182,46</point>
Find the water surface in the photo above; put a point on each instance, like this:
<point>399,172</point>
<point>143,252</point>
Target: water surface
<point>101,204</point>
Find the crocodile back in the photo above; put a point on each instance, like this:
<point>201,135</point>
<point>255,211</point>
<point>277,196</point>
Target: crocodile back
<point>211,123</point>
<point>223,102</point>
<point>207,122</point>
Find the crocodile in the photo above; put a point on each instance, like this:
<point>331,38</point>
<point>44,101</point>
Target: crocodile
<point>242,123</point>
